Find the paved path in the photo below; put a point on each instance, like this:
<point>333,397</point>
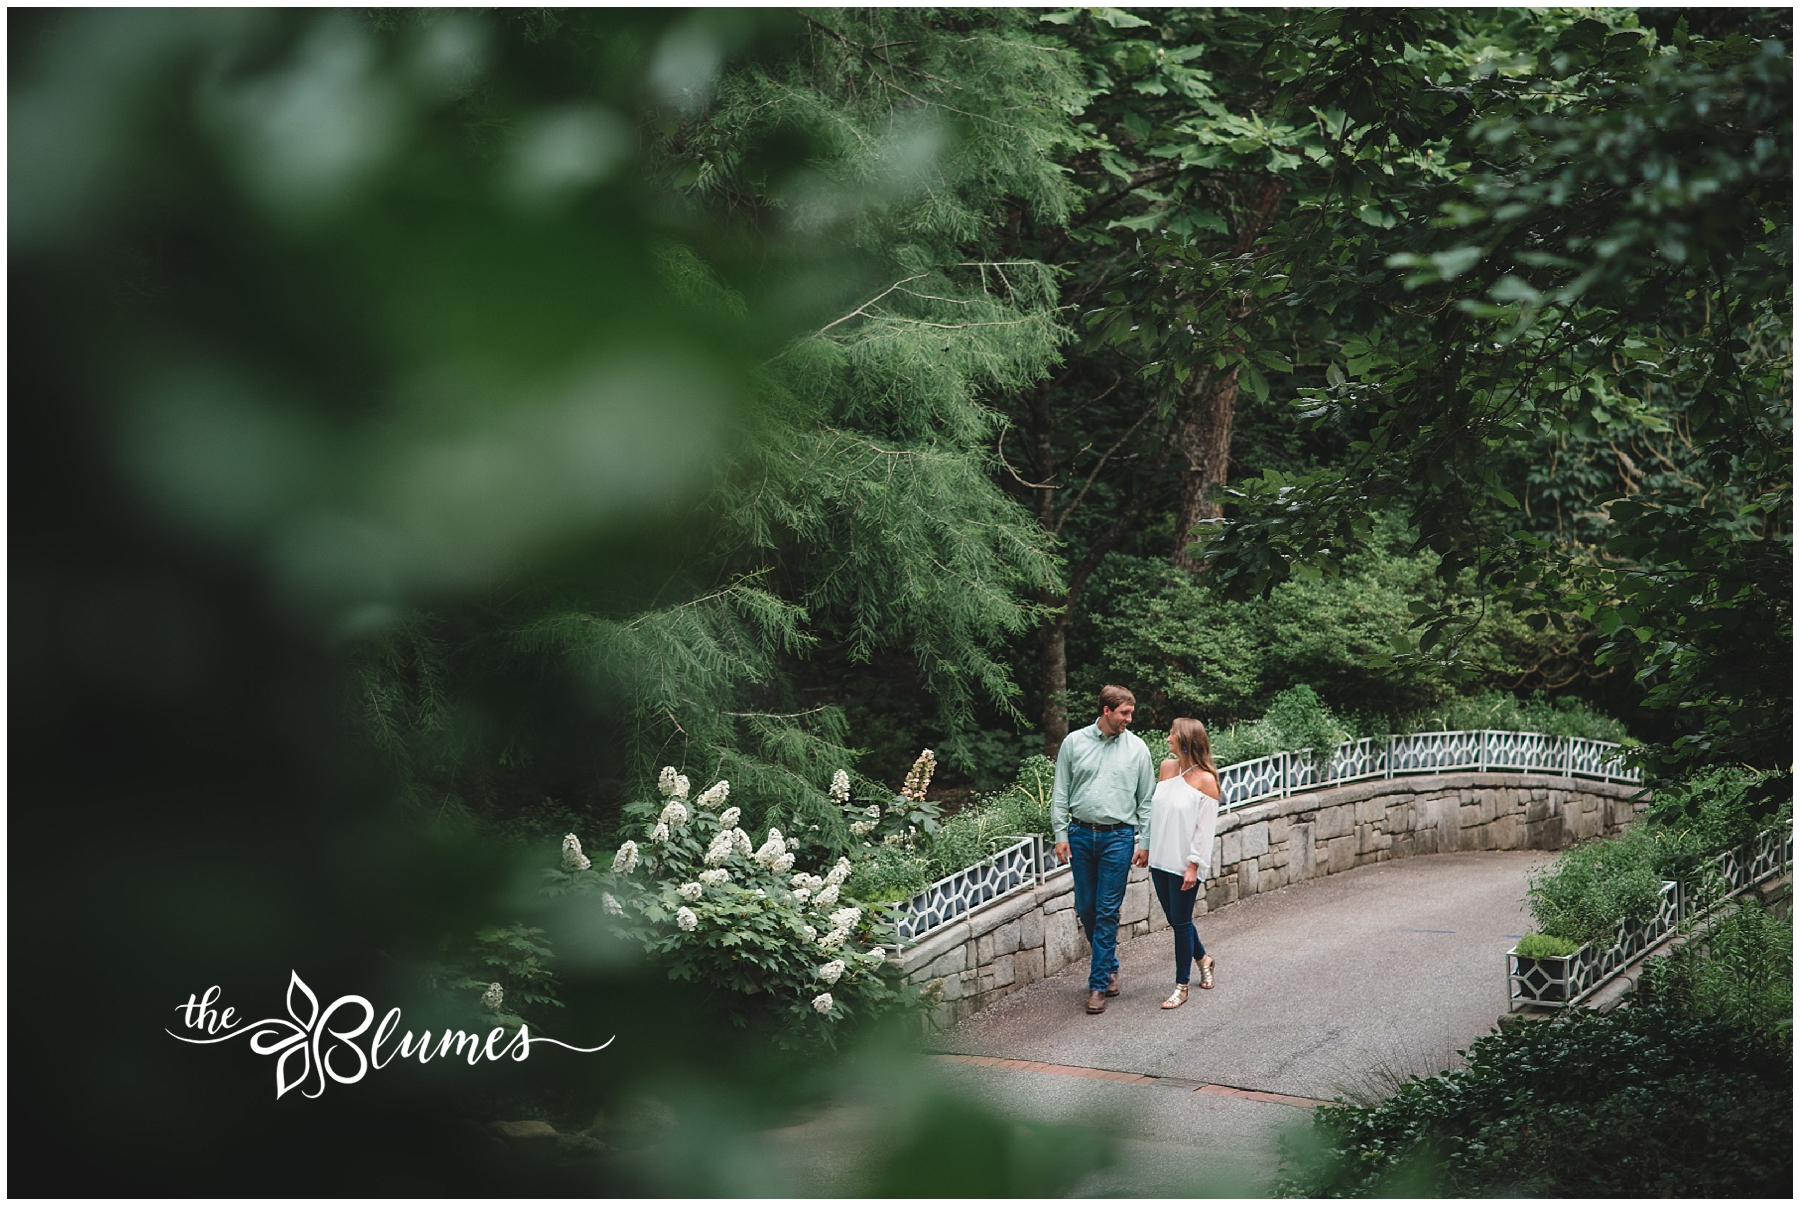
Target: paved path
<point>1325,987</point>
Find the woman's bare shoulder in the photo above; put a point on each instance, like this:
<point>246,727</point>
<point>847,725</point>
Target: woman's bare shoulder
<point>1203,781</point>
<point>1167,770</point>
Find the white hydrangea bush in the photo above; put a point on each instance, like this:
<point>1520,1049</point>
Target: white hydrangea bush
<point>721,910</point>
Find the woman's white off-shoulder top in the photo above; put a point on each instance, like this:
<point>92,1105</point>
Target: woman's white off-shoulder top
<point>1182,821</point>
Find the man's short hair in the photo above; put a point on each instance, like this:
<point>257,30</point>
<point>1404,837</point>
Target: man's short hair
<point>1115,697</point>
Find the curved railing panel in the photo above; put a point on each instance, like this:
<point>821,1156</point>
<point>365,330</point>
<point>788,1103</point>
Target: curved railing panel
<point>962,892</point>
<point>1284,774</point>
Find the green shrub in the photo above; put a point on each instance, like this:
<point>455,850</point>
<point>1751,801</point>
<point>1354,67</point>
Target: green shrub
<point>1647,1101</point>
<point>1738,972</point>
<point>1544,946</point>
<point>1563,717</point>
<point>1030,792</point>
<point>1297,719</point>
<point>884,874</point>
<point>1584,893</point>
<point>974,833</point>
<point>1723,806</point>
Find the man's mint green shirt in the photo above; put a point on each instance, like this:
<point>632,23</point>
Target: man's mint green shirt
<point>1103,780</point>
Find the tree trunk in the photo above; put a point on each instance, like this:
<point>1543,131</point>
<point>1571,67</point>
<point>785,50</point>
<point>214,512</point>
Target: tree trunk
<point>1204,438</point>
<point>1203,430</point>
<point>1053,658</point>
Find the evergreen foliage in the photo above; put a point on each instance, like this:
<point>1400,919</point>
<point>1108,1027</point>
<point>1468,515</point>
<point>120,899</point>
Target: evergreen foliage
<point>859,506</point>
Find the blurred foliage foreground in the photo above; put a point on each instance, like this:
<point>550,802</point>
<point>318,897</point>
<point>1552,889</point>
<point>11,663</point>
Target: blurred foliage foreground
<point>317,320</point>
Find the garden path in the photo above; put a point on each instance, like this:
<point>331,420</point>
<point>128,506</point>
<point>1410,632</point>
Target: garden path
<point>1325,987</point>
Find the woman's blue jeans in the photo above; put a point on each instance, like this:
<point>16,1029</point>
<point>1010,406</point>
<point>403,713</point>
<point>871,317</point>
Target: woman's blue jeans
<point>1100,863</point>
<point>1178,907</point>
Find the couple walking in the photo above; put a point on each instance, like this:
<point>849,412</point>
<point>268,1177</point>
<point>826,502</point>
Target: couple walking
<point>1111,811</point>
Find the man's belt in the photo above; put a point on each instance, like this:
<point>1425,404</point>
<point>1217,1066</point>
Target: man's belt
<point>1097,828</point>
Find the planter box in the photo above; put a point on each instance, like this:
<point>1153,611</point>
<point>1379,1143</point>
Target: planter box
<point>1567,979</point>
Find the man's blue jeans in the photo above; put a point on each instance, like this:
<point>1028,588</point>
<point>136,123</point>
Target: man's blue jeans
<point>1101,864</point>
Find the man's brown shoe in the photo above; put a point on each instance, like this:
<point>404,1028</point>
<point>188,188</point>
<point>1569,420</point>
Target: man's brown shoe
<point>1112,985</point>
<point>1096,1003</point>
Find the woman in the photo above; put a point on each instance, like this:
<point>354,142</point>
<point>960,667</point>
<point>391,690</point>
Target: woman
<point>1183,814</point>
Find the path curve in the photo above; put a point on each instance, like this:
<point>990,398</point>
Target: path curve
<point>1392,966</point>
<point>1328,986</point>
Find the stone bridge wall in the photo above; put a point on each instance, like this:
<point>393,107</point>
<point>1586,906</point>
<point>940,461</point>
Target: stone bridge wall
<point>1003,947</point>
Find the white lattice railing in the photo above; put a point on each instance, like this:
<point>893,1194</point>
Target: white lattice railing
<point>960,893</point>
<point>1561,980</point>
<point>1421,754</point>
<point>1001,874</point>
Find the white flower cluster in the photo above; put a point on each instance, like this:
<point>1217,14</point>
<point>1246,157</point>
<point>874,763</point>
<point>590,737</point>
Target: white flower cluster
<point>832,940</point>
<point>660,833</point>
<point>625,861</point>
<point>715,877</point>
<point>873,957</point>
<point>729,817</point>
<point>495,997</point>
<point>840,871</point>
<point>831,971</point>
<point>846,918</point>
<point>822,1002</point>
<point>873,812</point>
<point>685,918</point>
<point>862,828</point>
<point>573,859</point>
<point>840,787</point>
<point>611,905</point>
<point>690,892</point>
<point>783,864</point>
<point>800,894</point>
<point>826,896</point>
<point>769,851</point>
<point>809,932</point>
<point>674,815</point>
<point>740,842</point>
<point>719,849</point>
<point>671,784</point>
<point>715,795</point>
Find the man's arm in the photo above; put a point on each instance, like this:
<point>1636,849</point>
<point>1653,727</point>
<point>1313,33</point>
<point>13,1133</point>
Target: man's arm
<point>1146,788</point>
<point>1059,796</point>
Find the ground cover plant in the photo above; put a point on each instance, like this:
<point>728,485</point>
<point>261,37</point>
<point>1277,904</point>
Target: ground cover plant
<point>1662,1098</point>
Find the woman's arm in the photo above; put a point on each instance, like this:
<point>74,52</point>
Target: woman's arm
<point>1200,853</point>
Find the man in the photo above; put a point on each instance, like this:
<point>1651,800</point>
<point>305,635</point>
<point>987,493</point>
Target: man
<point>1100,811</point>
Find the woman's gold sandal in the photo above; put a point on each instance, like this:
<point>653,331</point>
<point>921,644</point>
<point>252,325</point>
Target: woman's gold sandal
<point>1176,998</point>
<point>1206,976</point>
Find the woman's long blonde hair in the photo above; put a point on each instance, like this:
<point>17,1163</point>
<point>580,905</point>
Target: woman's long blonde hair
<point>1192,744</point>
